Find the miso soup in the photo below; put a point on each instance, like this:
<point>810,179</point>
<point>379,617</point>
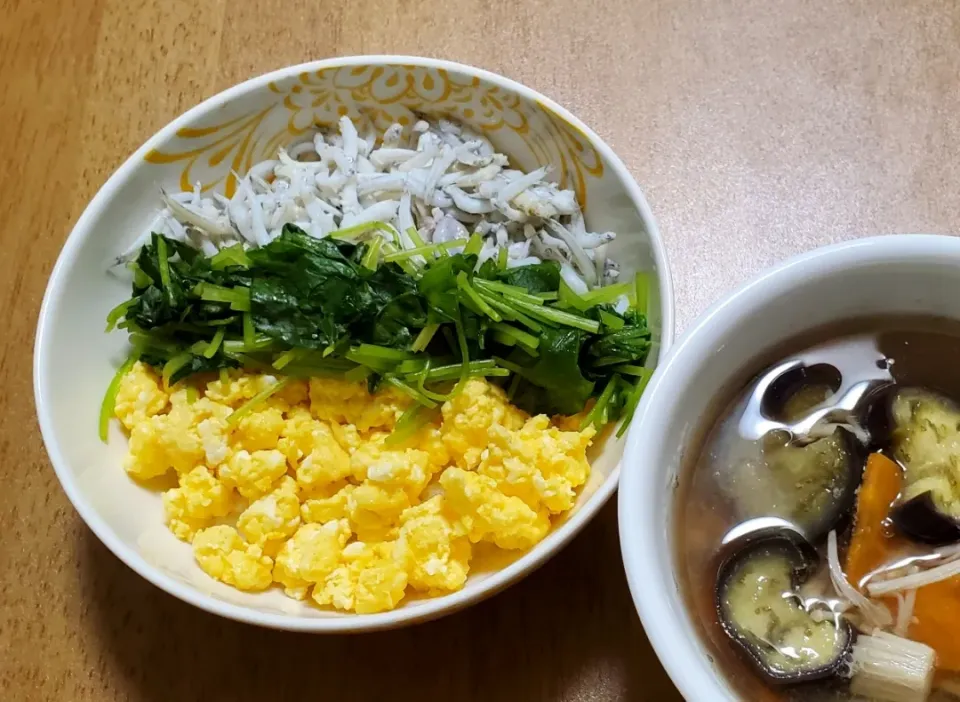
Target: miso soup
<point>818,517</point>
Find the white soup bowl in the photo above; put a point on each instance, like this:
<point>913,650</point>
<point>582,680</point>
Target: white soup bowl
<point>901,274</point>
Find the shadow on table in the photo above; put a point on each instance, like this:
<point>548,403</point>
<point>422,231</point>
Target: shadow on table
<point>567,632</point>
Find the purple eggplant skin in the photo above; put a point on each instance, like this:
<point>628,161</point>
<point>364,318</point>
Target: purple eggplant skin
<point>878,417</point>
<point>920,520</point>
<point>844,506</point>
<point>836,515</point>
<point>805,561</point>
<point>919,517</point>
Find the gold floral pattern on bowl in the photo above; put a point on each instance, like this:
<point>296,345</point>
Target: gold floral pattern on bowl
<point>214,152</point>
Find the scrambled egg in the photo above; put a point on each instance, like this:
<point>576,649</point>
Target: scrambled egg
<point>370,578</point>
<point>305,492</point>
<point>222,553</point>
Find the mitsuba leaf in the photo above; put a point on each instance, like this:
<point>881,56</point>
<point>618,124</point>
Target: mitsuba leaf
<point>200,364</point>
<point>307,293</point>
<point>159,304</point>
<point>555,384</point>
<point>539,277</point>
<point>631,344</point>
<point>488,270</point>
<point>310,293</point>
<point>197,364</point>
<point>398,309</point>
<point>438,286</point>
<point>281,312</point>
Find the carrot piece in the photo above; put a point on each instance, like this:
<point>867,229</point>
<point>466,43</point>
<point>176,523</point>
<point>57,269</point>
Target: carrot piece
<point>872,545</point>
<point>936,619</point>
<point>936,612</point>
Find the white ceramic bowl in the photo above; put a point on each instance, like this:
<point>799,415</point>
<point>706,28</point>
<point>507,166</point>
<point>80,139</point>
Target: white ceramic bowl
<point>74,359</point>
<point>886,275</point>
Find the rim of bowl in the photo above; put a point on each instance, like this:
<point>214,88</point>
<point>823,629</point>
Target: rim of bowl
<point>657,598</point>
<point>426,609</point>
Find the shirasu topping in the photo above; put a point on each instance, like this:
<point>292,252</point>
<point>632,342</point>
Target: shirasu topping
<point>437,181</point>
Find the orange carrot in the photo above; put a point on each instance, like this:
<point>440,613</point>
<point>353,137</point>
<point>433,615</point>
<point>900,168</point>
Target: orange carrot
<point>936,616</point>
<point>936,612</point>
<point>871,545</point>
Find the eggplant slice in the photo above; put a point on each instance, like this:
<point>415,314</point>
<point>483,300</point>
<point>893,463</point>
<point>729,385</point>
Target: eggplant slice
<point>813,486</point>
<point>760,609</point>
<point>799,390</point>
<point>925,438</point>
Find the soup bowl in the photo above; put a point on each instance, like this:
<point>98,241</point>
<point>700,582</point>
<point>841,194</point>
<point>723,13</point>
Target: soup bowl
<point>891,275</point>
<point>74,360</point>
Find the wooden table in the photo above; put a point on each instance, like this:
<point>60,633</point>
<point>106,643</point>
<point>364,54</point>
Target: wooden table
<point>758,129</point>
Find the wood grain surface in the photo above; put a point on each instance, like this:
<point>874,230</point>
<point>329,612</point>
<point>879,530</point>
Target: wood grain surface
<point>757,128</point>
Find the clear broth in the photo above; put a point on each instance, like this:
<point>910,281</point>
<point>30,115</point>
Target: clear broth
<point>918,351</point>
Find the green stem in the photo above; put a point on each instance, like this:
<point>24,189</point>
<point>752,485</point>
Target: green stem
<point>611,321</point>
<point>239,297</point>
<point>464,355</point>
<point>249,333</point>
<point>358,229</point>
<point>415,237</point>
<point>509,312</point>
<point>642,303</point>
<point>108,406</point>
<point>230,256</point>
<point>118,312</point>
<point>260,342</point>
<point>171,367</point>
<point>214,344</point>
<point>521,337</point>
<point>464,285</point>
<point>630,369</point>
<point>286,357</point>
<point>514,384</point>
<point>474,245</point>
<point>257,399</point>
<point>384,352</point>
<point>165,271</point>
<point>421,382</point>
<point>508,291</point>
<point>411,392</point>
<point>597,414</point>
<point>608,294</point>
<point>424,337</point>
<point>634,400</point>
<point>551,314</point>
<point>425,250</point>
<point>404,264</point>
<point>566,297</point>
<point>372,254</point>
<point>358,374</point>
<point>411,421</point>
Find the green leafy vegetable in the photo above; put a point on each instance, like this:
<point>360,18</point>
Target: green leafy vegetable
<point>537,278</point>
<point>556,383</point>
<point>420,320</point>
<point>624,345</point>
<point>230,256</point>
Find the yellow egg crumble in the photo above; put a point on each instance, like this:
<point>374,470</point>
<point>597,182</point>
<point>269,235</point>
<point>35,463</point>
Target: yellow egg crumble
<point>303,492</point>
